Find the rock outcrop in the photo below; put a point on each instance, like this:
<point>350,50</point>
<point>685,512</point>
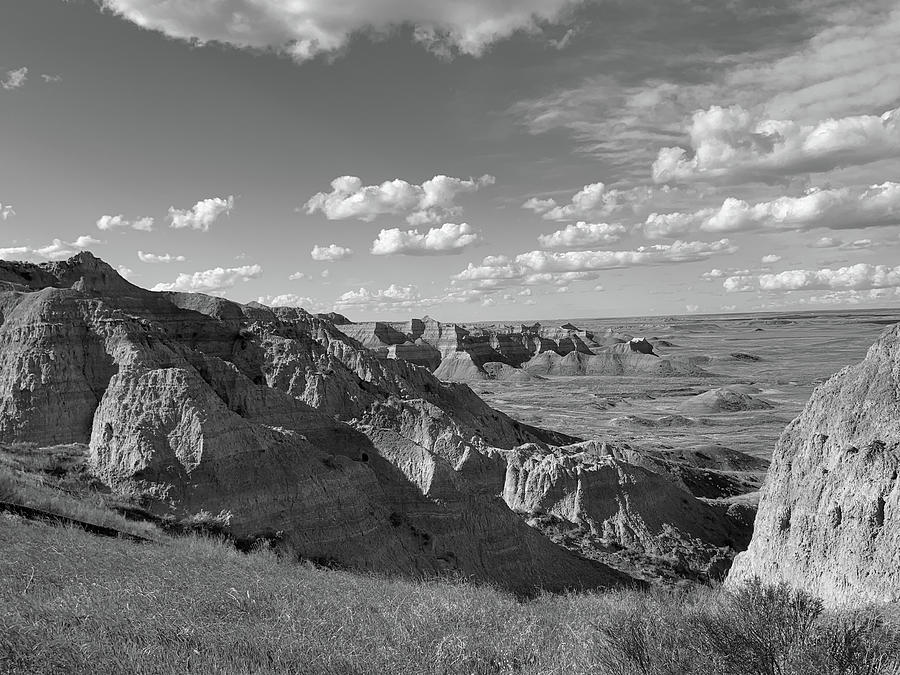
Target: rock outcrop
<point>829,512</point>
<point>605,488</point>
<point>275,416</point>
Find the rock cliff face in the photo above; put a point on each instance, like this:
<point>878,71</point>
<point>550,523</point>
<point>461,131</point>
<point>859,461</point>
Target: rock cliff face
<point>829,513</point>
<point>198,404</point>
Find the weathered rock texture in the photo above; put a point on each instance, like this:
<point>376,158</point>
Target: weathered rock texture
<point>829,513</point>
<point>276,416</point>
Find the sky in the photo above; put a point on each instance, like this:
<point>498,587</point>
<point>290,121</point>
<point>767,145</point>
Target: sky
<point>469,160</point>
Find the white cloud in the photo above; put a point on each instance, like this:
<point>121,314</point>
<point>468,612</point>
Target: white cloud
<point>833,242</point>
<point>288,300</point>
<point>550,267</point>
<point>449,238</point>
<point>298,276</point>
<point>14,78</point>
<point>211,281</point>
<point>14,252</point>
<point>691,309</point>
<point>51,79</point>
<point>732,143</point>
<point>125,272</point>
<point>673,225</point>
<point>583,235</point>
<point>859,277</point>
<point>120,222</point>
<point>592,201</point>
<point>835,208</point>
<point>160,258</point>
<point>55,250</point>
<point>423,204</point>
<point>305,29</point>
<point>6,211</point>
<point>203,214</point>
<point>770,259</point>
<point>330,253</point>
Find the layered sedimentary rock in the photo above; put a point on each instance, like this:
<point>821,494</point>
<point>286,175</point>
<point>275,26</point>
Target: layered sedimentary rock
<point>829,512</point>
<point>275,417</point>
<point>604,488</point>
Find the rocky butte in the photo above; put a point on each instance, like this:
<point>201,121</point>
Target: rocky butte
<point>829,514</point>
<point>316,434</point>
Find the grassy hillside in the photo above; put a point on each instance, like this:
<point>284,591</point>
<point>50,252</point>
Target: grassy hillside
<point>71,602</point>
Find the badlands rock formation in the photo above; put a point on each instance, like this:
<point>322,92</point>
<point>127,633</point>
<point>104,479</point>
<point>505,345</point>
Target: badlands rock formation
<point>511,353</point>
<point>199,404</point>
<point>347,453</point>
<point>829,513</point>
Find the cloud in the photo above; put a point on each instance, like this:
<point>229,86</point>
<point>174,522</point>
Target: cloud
<point>14,78</point>
<point>449,238</point>
<point>859,277</point>
<point>556,267</point>
<point>298,276</point>
<point>14,252</point>
<point>211,281</point>
<point>119,222</point>
<point>592,201</point>
<point>583,235</point>
<point>673,225</point>
<point>163,258</point>
<point>6,211</point>
<point>302,30</point>
<point>55,250</point>
<point>734,144</point>
<point>836,208</point>
<point>288,300</point>
<point>330,253</point>
<point>203,214</point>
<point>423,204</point>
<point>51,79</point>
<point>125,272</point>
<point>770,259</point>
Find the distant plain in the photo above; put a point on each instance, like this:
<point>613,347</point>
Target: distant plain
<point>781,356</point>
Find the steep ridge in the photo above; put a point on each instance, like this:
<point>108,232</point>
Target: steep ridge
<point>274,416</point>
<point>624,500</point>
<point>829,512</point>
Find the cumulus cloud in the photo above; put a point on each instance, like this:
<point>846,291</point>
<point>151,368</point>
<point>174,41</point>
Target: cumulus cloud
<point>449,238</point>
<point>55,250</point>
<point>125,272</point>
<point>330,253</point>
<point>674,225</point>
<point>212,280</point>
<point>592,201</point>
<point>303,30</point>
<point>859,277</point>
<point>51,79</point>
<point>203,214</point>
<point>423,204</point>
<point>298,276</point>
<point>6,211</point>
<point>732,143</point>
<point>160,258</point>
<point>770,259</point>
<point>120,222</point>
<point>13,79</point>
<point>583,235</point>
<point>288,300</point>
<point>561,267</point>
<point>836,208</point>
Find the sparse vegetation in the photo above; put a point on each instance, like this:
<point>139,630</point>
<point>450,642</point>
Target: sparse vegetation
<point>55,480</point>
<point>75,603</point>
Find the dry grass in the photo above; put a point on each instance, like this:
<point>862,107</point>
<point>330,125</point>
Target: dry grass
<point>56,480</point>
<point>73,603</point>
